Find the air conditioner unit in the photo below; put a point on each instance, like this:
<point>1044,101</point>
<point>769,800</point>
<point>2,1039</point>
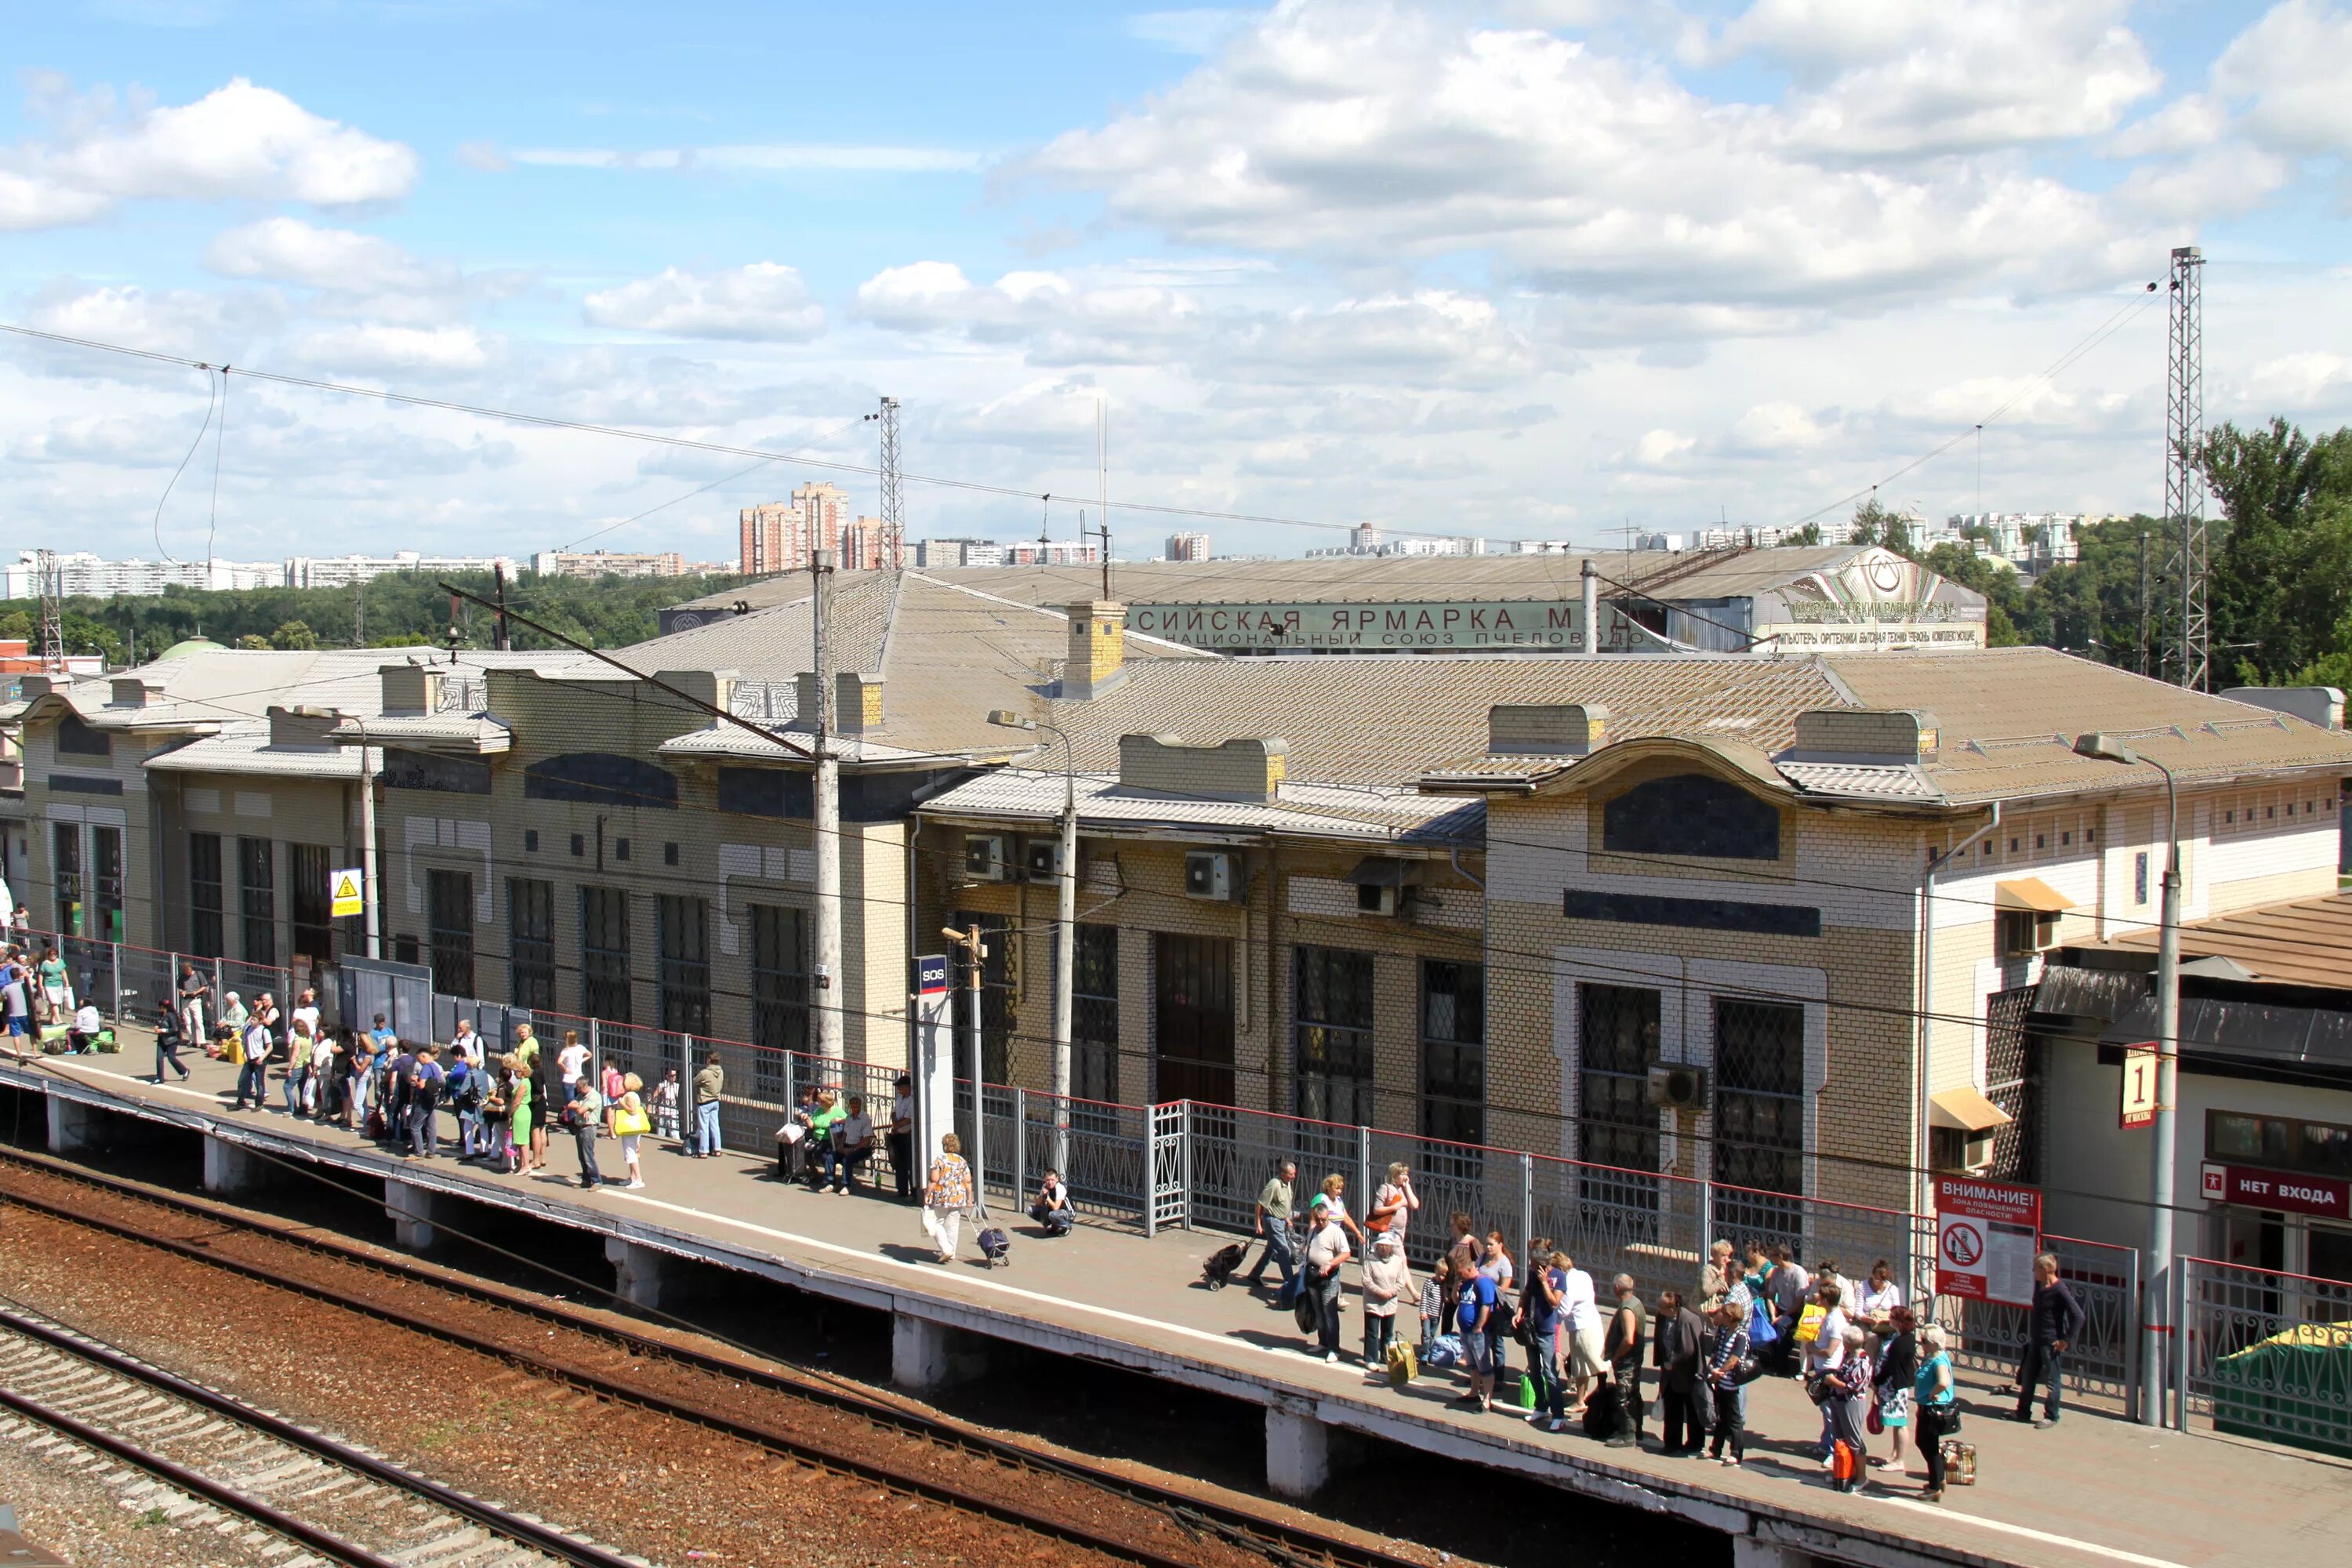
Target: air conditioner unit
<point>1678,1087</point>
<point>1372,900</point>
<point>1042,858</point>
<point>987,857</point>
<point>1209,874</point>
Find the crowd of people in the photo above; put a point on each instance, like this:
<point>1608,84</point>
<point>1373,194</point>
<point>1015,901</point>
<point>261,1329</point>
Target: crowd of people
<point>1881,1378</point>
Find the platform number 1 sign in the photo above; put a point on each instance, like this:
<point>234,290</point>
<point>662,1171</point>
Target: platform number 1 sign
<point>2138,1108</point>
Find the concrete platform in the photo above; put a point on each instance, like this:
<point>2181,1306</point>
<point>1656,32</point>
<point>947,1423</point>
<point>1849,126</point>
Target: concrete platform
<point>2093,1491</point>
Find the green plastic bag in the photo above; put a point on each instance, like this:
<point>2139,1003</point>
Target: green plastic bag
<point>1527,1392</point>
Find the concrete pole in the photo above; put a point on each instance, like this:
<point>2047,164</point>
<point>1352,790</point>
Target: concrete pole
<point>1592,609</point>
<point>371,920</point>
<point>974,953</point>
<point>1065,951</point>
<point>2157,1284</point>
<point>824,1014</point>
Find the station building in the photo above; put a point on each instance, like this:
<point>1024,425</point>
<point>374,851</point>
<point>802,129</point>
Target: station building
<point>1767,918</point>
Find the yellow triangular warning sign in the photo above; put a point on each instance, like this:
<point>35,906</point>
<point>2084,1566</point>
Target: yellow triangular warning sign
<point>344,888</point>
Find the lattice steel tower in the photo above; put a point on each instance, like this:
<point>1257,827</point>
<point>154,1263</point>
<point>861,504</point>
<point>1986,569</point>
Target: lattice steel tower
<point>2184,482</point>
<point>52,631</point>
<point>894,495</point>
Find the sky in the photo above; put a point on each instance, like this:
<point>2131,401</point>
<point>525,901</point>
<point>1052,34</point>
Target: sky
<point>1532,269</point>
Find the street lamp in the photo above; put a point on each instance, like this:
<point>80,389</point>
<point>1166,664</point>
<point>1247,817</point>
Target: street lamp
<point>1066,931</point>
<point>2106,748</point>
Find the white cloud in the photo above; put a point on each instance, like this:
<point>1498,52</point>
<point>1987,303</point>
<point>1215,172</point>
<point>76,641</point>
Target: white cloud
<point>2294,69</point>
<point>2187,124</point>
<point>378,347</point>
<point>288,250</point>
<point>2312,379</point>
<point>238,142</point>
<point>765,302</point>
<point>1879,78</point>
<point>1778,427</point>
<point>774,158</point>
<point>1372,133</point>
<point>1198,31</point>
<point>1661,448</point>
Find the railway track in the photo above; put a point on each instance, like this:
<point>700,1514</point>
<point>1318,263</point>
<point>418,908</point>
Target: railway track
<point>214,1460</point>
<point>1208,1521</point>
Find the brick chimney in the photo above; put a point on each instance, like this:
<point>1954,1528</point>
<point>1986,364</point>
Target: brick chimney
<point>1098,659</point>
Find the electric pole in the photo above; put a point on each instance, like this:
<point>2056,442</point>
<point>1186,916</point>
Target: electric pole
<point>2184,485</point>
<point>2145,668</point>
<point>824,1016</point>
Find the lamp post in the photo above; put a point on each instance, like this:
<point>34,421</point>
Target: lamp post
<point>1066,931</point>
<point>2156,1283</point>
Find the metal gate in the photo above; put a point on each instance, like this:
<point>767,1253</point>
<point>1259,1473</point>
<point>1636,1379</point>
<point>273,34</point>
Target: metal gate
<point>1170,1168</point>
<point>2263,1354</point>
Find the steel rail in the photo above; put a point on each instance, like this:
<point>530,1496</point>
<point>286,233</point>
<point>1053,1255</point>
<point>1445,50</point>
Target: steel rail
<point>1276,1541</point>
<point>497,1521</point>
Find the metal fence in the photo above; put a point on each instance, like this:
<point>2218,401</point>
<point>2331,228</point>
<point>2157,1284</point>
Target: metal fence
<point>2260,1352</point>
<point>2263,1354</point>
<point>2103,1360</point>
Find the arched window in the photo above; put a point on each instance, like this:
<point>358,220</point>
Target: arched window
<point>1692,815</point>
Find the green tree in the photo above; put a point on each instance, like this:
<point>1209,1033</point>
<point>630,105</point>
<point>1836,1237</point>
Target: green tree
<point>252,642</point>
<point>1874,524</point>
<point>2280,587</point>
<point>293,634</point>
<point>1798,537</point>
<point>2004,596</point>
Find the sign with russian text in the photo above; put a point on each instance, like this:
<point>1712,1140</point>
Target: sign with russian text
<point>2138,1108</point>
<point>1986,1236</point>
<point>2327,1197</point>
<point>1440,624</point>
<point>933,1107</point>
<point>345,888</point>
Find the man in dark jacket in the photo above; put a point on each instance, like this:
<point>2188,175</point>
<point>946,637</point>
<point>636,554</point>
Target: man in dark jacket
<point>2054,1322</point>
<point>1675,1352</point>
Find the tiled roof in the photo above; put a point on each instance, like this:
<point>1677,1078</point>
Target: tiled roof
<point>1380,718</point>
<point>207,686</point>
<point>1322,810</point>
<point>2306,943</point>
<point>246,749</point>
<point>1367,578</point>
<point>1860,782</point>
<point>2009,718</point>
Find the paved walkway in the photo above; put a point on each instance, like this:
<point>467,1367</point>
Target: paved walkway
<point>2093,1490</point>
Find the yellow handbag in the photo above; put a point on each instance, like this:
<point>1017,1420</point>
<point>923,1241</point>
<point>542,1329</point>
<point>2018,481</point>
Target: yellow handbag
<point>627,1124</point>
<point>1809,1324</point>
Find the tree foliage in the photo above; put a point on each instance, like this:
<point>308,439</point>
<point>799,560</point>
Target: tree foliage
<point>396,612</point>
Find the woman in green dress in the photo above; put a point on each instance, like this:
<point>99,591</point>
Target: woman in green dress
<point>520,1103</point>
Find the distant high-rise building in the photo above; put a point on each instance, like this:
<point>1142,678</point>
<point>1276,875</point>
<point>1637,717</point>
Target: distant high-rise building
<point>933,554</point>
<point>1053,553</point>
<point>867,545</point>
<point>608,563</point>
<point>1363,539</point>
<point>1461,546</point>
<point>1188,547</point>
<point>778,536</point>
<point>342,571</point>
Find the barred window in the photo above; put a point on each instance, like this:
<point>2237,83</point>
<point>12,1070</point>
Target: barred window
<point>1332,1034</point>
<point>682,932</point>
<point>604,953</point>
<point>205,894</point>
<point>450,931</point>
<point>995,996</point>
<point>314,930</point>
<point>106,883</point>
<point>256,876</point>
<point>1453,1051</point>
<point>1759,1103</point>
<point>1617,1044</point>
<point>780,1019</point>
<point>1094,1014</point>
<point>530,944</point>
<point>66,838</point>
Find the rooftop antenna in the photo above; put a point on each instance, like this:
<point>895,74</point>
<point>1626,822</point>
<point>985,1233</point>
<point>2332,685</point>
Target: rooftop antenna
<point>1102,488</point>
<point>894,494</point>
